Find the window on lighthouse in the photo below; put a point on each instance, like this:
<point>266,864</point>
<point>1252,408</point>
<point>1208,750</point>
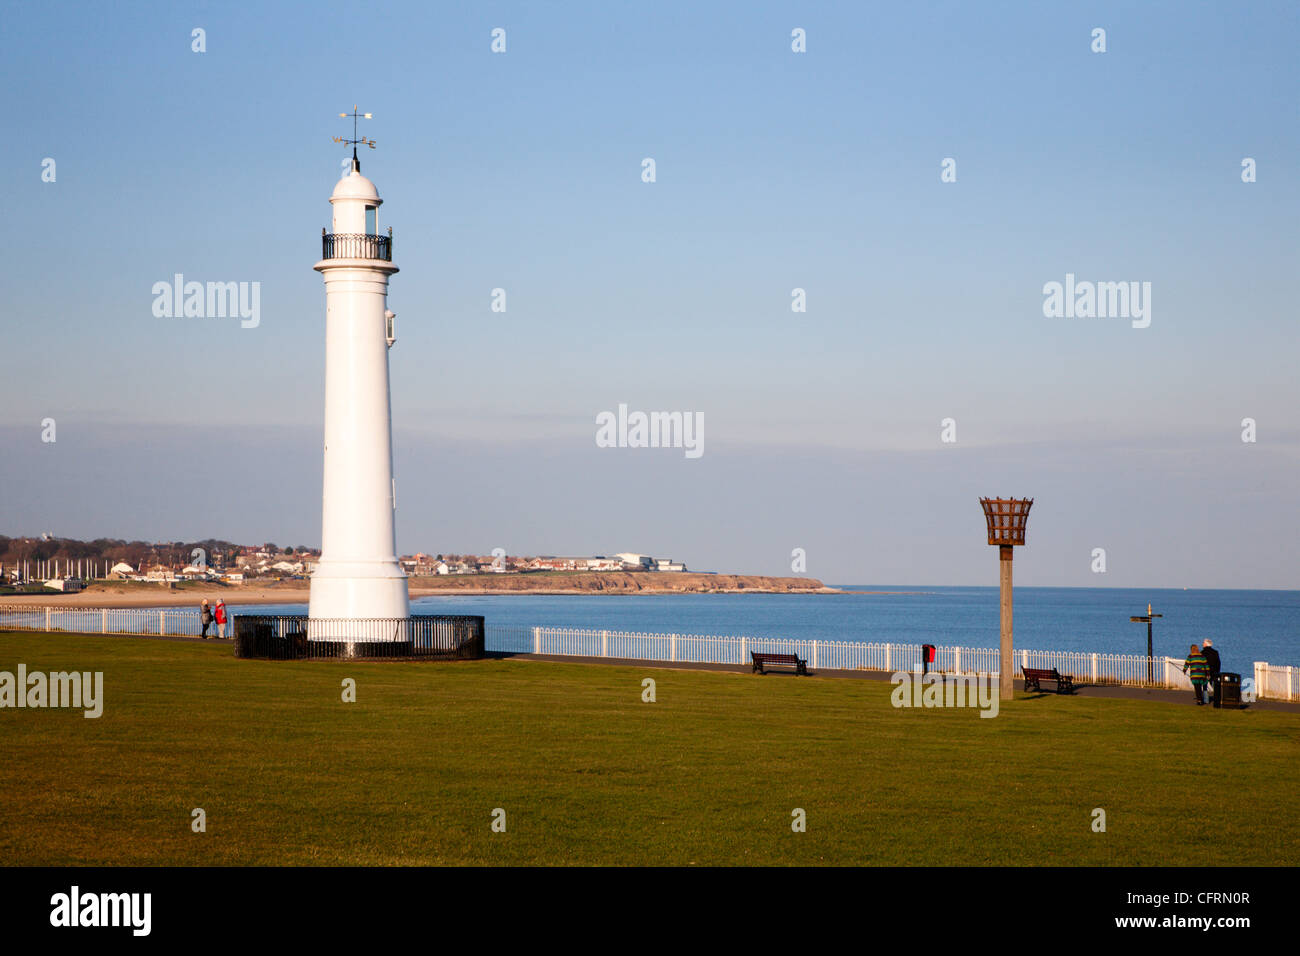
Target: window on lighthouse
<point>372,221</point>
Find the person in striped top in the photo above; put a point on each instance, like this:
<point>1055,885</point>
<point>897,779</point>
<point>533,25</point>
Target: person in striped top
<point>1198,668</point>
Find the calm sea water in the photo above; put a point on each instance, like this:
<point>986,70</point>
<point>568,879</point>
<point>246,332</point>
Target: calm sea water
<point>1246,626</point>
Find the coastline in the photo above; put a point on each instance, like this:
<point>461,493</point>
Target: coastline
<point>116,595</point>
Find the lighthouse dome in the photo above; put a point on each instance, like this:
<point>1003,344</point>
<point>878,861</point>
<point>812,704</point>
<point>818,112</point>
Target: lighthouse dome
<point>355,186</point>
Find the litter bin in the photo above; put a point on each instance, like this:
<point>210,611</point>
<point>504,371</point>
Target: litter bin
<point>1229,691</point>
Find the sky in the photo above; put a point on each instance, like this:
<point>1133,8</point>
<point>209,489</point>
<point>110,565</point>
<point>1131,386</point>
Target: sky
<point>775,170</point>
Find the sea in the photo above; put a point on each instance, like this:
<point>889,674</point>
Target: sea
<point>1246,626</point>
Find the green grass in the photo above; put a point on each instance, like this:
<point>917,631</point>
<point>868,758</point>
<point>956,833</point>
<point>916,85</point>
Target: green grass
<point>588,774</point>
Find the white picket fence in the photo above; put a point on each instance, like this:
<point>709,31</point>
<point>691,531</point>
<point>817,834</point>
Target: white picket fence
<point>102,620</point>
<point>833,655</point>
<point>1277,682</point>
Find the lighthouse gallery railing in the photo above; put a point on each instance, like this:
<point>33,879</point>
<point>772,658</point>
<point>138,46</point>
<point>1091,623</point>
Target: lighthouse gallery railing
<point>355,245</point>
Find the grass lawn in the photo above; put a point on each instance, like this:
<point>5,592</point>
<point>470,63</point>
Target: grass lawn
<point>589,774</point>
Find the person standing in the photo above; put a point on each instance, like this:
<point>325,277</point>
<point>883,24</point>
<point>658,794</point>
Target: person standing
<point>1198,670</point>
<point>205,616</point>
<point>220,615</point>
<point>1212,664</point>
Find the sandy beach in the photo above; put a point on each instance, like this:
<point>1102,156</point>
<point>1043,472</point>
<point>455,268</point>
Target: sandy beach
<point>159,596</point>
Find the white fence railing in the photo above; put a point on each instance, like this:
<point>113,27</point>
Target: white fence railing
<point>1277,682</point>
<point>102,620</point>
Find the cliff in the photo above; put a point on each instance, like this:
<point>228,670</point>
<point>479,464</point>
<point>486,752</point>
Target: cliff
<point>618,582</point>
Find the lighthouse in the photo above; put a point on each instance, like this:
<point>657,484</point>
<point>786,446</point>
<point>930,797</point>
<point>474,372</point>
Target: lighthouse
<point>358,583</point>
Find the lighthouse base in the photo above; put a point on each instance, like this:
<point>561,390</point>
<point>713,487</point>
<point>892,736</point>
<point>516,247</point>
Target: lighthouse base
<point>344,592</point>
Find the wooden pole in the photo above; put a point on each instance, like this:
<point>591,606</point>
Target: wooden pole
<point>1006,670</point>
<point>1148,618</point>
<point>1150,655</point>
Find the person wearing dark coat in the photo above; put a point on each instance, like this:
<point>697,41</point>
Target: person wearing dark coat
<point>1212,659</point>
<point>205,617</point>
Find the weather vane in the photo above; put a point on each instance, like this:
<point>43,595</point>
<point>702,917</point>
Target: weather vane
<point>354,141</point>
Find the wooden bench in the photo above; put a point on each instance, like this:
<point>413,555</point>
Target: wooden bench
<point>781,660</point>
<point>1033,675</point>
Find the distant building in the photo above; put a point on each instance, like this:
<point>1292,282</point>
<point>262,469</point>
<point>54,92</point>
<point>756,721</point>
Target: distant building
<point>549,562</point>
<point>644,562</point>
<point>629,561</point>
<point>67,585</point>
<point>418,565</point>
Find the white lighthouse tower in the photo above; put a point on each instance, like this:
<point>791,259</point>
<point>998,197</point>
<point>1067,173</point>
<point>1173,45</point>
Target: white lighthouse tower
<point>358,578</point>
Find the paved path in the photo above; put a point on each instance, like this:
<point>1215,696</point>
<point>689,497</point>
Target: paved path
<point>182,638</point>
<point>1114,691</point>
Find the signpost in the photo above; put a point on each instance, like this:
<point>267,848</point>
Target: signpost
<point>1147,618</point>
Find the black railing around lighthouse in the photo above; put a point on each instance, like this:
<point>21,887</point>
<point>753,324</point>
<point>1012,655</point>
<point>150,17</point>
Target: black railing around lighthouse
<point>426,637</point>
<point>356,245</point>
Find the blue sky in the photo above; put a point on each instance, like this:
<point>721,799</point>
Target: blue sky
<point>775,170</point>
